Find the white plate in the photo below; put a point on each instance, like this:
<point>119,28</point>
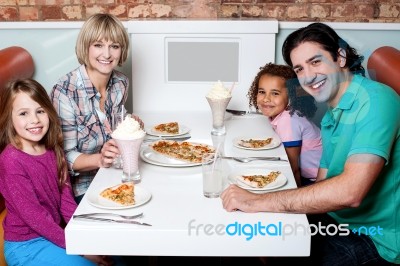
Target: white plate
<point>280,181</point>
<point>153,157</point>
<point>182,131</point>
<point>142,196</point>
<point>274,143</point>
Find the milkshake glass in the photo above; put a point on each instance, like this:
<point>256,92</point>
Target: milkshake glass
<point>218,107</point>
<point>130,156</point>
<point>116,119</point>
<point>218,98</point>
<point>129,137</point>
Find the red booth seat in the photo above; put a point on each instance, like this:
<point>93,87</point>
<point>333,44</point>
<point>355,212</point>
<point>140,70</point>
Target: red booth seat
<point>384,66</point>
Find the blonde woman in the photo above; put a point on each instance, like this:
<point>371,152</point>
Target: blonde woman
<point>87,97</point>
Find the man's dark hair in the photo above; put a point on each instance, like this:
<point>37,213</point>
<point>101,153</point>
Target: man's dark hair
<point>329,40</point>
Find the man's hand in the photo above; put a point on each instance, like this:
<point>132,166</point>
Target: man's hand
<point>235,198</point>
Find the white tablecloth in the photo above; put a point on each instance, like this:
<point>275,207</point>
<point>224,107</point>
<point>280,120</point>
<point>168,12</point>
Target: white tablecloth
<point>184,222</point>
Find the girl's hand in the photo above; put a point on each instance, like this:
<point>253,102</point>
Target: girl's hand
<point>108,153</point>
<point>99,260</point>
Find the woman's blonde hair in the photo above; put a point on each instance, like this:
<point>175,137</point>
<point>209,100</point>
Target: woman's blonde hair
<point>98,27</point>
<point>53,139</point>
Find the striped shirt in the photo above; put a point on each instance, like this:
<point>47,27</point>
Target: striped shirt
<point>85,128</point>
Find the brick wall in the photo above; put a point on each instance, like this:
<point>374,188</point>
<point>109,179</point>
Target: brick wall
<point>284,10</point>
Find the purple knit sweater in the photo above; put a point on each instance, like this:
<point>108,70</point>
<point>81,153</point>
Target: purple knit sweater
<point>35,204</point>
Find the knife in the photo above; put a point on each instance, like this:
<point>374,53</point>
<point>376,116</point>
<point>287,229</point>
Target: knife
<point>167,138</point>
<point>112,214</point>
<point>249,159</point>
<point>109,220</point>
<point>239,112</point>
<point>236,112</point>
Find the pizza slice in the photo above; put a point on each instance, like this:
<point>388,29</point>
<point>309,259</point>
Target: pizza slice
<point>184,151</point>
<point>259,181</point>
<point>255,143</point>
<point>122,194</point>
<point>167,128</point>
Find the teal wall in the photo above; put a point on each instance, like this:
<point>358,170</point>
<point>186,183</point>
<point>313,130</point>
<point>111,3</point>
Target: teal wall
<point>52,51</point>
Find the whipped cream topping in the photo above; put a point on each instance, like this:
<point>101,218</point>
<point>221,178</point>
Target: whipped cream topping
<point>128,129</point>
<point>218,91</point>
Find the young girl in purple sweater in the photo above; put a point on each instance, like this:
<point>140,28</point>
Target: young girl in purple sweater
<point>34,179</point>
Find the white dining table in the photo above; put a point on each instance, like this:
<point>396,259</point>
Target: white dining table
<point>184,222</point>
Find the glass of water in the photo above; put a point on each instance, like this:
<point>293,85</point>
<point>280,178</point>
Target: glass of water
<point>212,168</point>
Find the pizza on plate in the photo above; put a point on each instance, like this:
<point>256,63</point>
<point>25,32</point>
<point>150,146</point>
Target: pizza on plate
<point>122,194</point>
<point>185,151</point>
<point>259,181</point>
<point>255,143</point>
<point>167,128</point>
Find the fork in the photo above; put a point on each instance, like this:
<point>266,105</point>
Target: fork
<point>109,214</point>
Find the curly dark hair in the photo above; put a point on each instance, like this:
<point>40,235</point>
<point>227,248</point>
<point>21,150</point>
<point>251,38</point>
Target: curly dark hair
<point>300,101</point>
<point>329,40</point>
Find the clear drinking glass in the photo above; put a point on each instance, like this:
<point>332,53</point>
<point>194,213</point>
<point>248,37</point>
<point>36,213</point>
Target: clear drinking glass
<point>212,168</point>
<point>219,143</point>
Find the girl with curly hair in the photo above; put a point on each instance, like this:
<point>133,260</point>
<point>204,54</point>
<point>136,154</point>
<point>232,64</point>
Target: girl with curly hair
<point>276,92</point>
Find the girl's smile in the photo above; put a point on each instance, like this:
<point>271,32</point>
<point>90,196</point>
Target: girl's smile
<point>272,96</point>
<point>30,121</point>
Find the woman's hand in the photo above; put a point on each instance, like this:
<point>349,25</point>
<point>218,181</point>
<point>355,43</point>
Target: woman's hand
<point>108,153</point>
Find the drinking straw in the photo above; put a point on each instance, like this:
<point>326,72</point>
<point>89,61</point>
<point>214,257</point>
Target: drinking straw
<point>231,89</point>
<point>215,158</point>
<point>122,113</point>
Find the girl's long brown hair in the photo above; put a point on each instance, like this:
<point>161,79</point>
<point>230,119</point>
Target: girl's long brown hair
<point>53,139</point>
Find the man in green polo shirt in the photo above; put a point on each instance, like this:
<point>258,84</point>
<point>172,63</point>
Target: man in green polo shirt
<point>359,176</point>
